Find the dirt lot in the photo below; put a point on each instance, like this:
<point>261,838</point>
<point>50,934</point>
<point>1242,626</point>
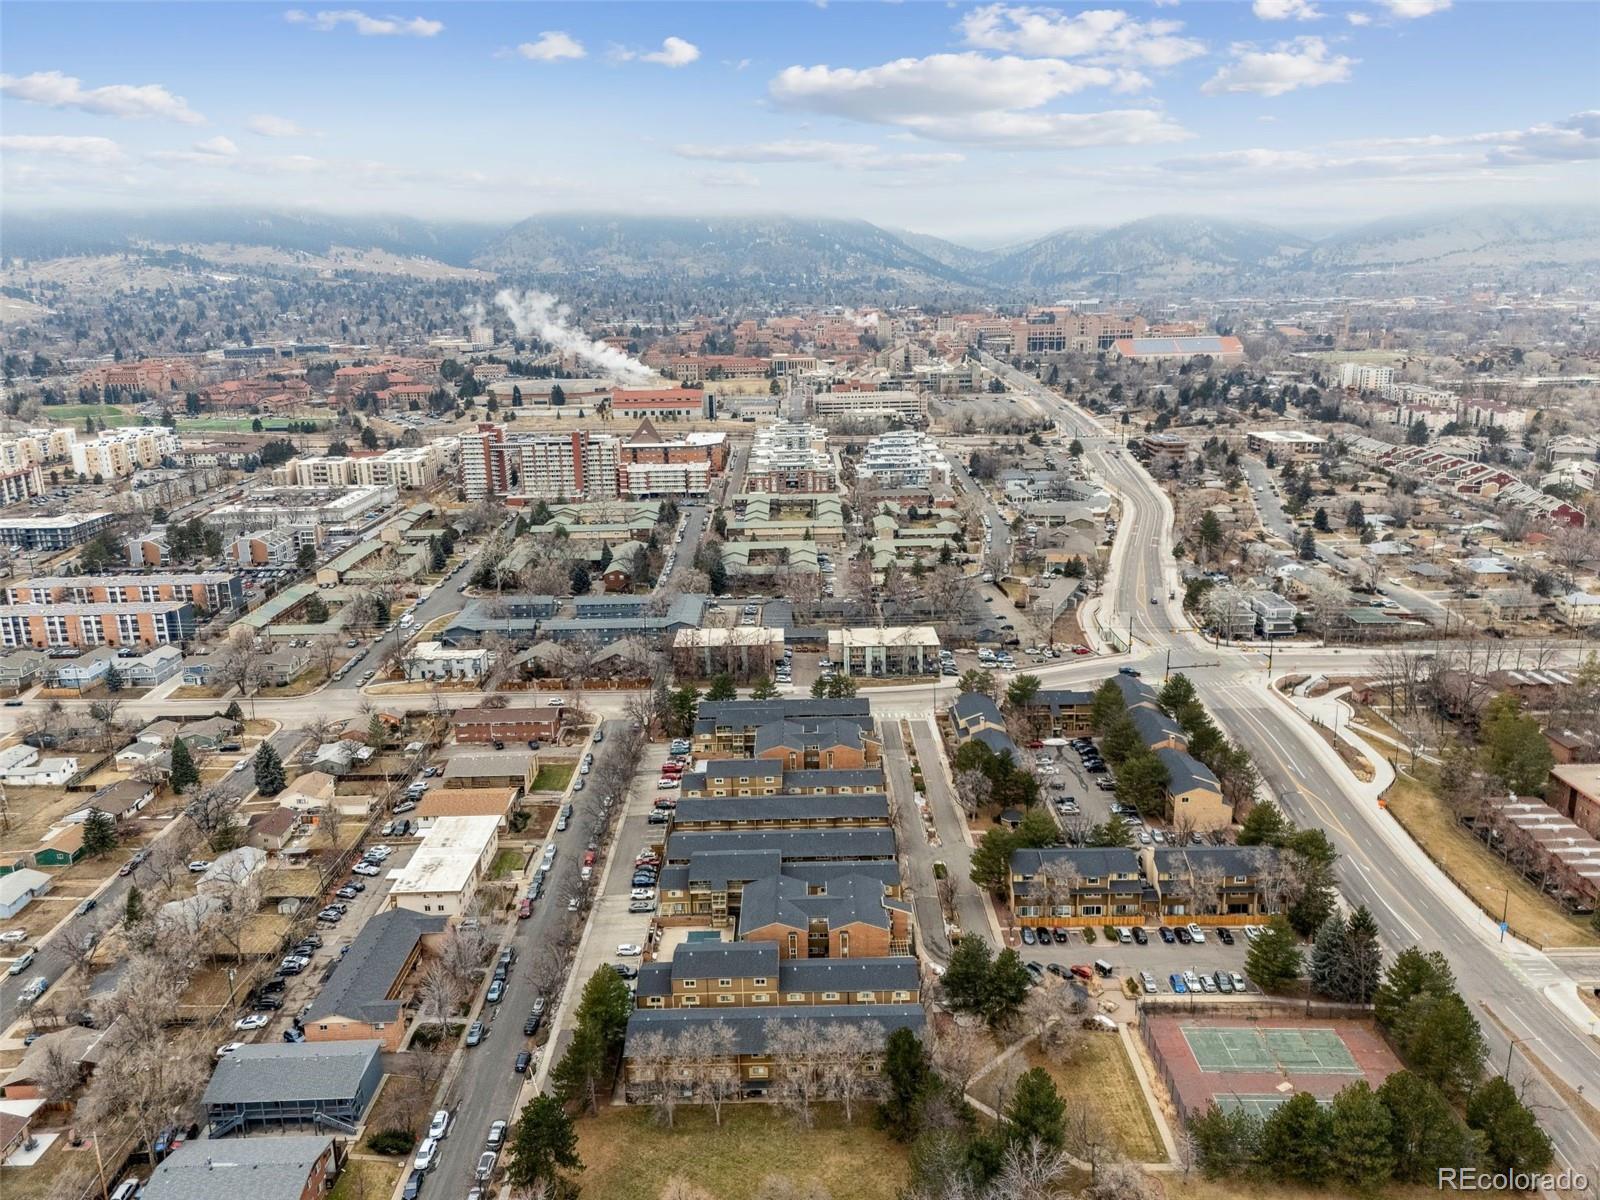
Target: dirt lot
<point>1479,872</point>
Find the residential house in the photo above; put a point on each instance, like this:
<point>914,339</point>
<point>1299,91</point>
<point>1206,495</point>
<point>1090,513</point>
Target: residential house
<point>484,726</point>
<point>309,792</point>
<point>19,888</point>
<point>1581,610</point>
<point>82,1047</point>
<point>273,830</point>
<point>1193,796</point>
<point>61,847</point>
<point>977,717</point>
<point>436,660</point>
<point>496,802</point>
<point>277,1084</point>
<point>119,801</point>
<point>206,734</point>
<point>366,996</point>
<point>21,670</point>
<point>151,668</point>
<point>492,769</point>
<point>284,665</point>
<point>21,766</point>
<point>293,1167</point>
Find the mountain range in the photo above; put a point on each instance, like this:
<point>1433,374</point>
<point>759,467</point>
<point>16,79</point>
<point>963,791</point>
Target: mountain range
<point>799,256</point>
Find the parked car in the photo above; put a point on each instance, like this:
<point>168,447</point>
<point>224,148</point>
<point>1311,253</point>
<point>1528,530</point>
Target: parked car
<point>1167,935</point>
<point>200,864</point>
<point>1178,985</point>
<point>497,1135</point>
<point>258,1020</point>
<point>521,1065</point>
<point>629,950</point>
<point>440,1125</point>
<point>475,1033</point>
<point>427,1155</point>
<point>1225,936</point>
<point>1027,936</point>
<point>497,991</point>
<point>485,1167</point>
<point>1198,934</point>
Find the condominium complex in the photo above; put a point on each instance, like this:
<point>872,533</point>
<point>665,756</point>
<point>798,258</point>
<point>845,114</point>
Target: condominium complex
<point>1363,378</point>
<point>20,483</point>
<point>118,453</point>
<point>57,624</point>
<point>791,456</point>
<point>35,447</point>
<point>53,533</point>
<point>212,590</point>
<point>310,511</point>
<point>903,458</point>
<point>589,466</point>
<point>403,468</point>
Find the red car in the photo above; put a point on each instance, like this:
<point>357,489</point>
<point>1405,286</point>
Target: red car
<point>588,858</point>
<point>1036,744</point>
<point>524,909</point>
<point>1082,650</point>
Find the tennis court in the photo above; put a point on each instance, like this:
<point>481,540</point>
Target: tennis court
<point>1260,1107</point>
<point>1292,1051</point>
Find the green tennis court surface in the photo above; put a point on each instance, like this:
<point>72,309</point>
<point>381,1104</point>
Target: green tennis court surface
<point>1257,1106</point>
<point>1306,1051</point>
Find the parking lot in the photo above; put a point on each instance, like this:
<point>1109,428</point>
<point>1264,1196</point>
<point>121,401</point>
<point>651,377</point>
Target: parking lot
<point>1160,958</point>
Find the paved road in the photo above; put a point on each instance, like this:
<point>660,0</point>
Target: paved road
<point>971,907</point>
<point>487,1088</point>
<point>51,961</point>
<point>693,525</point>
<point>913,842</point>
<point>446,598</point>
<point>1379,866</point>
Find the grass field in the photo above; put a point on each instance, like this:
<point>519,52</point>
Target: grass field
<point>1196,1187</point>
<point>1479,872</point>
<point>240,424</point>
<point>364,1177</point>
<point>73,414</point>
<point>553,777</point>
<point>1102,1078</point>
<point>627,1156</point>
<point>506,862</point>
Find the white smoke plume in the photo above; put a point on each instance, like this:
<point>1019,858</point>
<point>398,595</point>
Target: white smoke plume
<point>541,315</point>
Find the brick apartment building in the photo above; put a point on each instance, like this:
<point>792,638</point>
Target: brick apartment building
<point>751,974</point>
<point>132,624</point>
<point>210,591</point>
<point>482,726</point>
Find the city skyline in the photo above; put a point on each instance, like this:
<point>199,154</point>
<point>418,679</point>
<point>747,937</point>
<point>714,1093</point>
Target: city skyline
<point>982,123</point>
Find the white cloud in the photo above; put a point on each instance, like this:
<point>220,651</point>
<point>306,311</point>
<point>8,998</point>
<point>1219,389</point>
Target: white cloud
<point>218,145</point>
<point>1410,10</point>
<point>267,125</point>
<point>55,90</point>
<point>1054,131</point>
<point>1287,10</point>
<point>1101,35</point>
<point>328,20</point>
<point>1288,66</point>
<point>1575,139</point>
<point>674,52</point>
<point>217,151</point>
<point>858,155</point>
<point>1358,18</point>
<point>94,151</point>
<point>552,46</point>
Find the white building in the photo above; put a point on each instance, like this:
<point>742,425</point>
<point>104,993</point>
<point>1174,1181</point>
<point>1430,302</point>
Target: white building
<point>903,458</point>
<point>791,456</point>
<point>886,650</point>
<point>36,447</point>
<point>564,466</point>
<point>1364,378</point>
<point>435,660</point>
<point>403,468</point>
<point>881,405</point>
<point>118,453</point>
<point>21,766</point>
<point>20,483</point>
<point>443,875</point>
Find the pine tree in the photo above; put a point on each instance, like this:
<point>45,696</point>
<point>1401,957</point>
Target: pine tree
<point>185,774</point>
<point>1274,960</point>
<point>114,681</point>
<point>1412,973</point>
<point>1006,988</point>
<point>133,906</point>
<point>722,688</point>
<point>1330,958</point>
<point>1225,1143</point>
<point>1424,1132</point>
<point>966,978</point>
<point>1297,1140</point>
<point>99,833</point>
<point>762,688</point>
<point>269,771</point>
<point>234,713</point>
<point>1265,826</point>
<point>1512,1138</point>
<point>906,1075</point>
<point>1365,957</point>
<point>1037,1111</point>
<point>1362,1152</point>
<point>542,1146</point>
<point>1440,1039</point>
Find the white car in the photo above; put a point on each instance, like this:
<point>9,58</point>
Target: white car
<point>440,1125</point>
<point>556,701</point>
<point>253,1021</point>
<point>628,950</point>
<point>667,785</point>
<point>572,904</point>
<point>200,864</point>
<point>240,765</point>
<point>642,894</point>
<point>1198,934</point>
<point>426,1153</point>
<point>12,936</point>
<point>365,868</point>
<point>1252,932</point>
<point>586,874</point>
<point>227,1048</point>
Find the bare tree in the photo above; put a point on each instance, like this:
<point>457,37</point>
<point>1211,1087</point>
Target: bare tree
<point>1087,1136</point>
<point>323,651</point>
<point>974,789</point>
<point>1031,1171</point>
<point>1121,1181</point>
<point>653,1063</point>
<point>796,1053</point>
<point>215,813</point>
<point>848,1051</point>
<point>59,1076</point>
<point>960,1052</point>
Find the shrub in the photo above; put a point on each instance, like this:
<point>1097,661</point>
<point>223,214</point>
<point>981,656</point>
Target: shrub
<point>1110,932</point>
<point>1088,934</point>
<point>391,1141</point>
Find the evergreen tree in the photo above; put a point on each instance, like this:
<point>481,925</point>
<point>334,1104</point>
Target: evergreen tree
<point>185,774</point>
<point>1177,694</point>
<point>99,833</point>
<point>1265,826</point>
<point>114,682</point>
<point>1307,549</point>
<point>1037,1111</point>
<point>1225,1143</point>
<point>542,1147</point>
<point>1363,1154</point>
<point>1297,1140</point>
<point>580,1073</point>
<point>967,977</point>
<point>991,861</point>
<point>604,1006</point>
<point>1109,704</point>
<point>1319,521</point>
<point>1121,741</point>
<point>234,713</point>
<point>579,577</point>
<point>1512,1139</point>
<point>1440,1039</point>
<point>1330,957</point>
<point>269,771</point>
<point>722,688</point>
<point>906,1077</point>
<point>1412,973</point>
<point>133,906</point>
<point>1365,961</point>
<point>1424,1132</point>
<point>1355,516</point>
<point>1273,962</point>
<point>762,688</point>
<point>1006,988</point>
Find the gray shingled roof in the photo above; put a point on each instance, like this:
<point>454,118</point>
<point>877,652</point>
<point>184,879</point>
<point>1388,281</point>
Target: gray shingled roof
<point>826,777</point>
<point>725,960</point>
<point>789,901</point>
<point>791,843</point>
<point>252,1168</point>
<point>751,1026</point>
<point>845,975</point>
<point>752,714</point>
<point>798,734</point>
<point>1093,862</point>
<point>970,707</point>
<point>1186,772</point>
<point>1153,725</point>
<point>717,868</point>
<point>299,1071</point>
<point>360,985</point>
<point>774,808</point>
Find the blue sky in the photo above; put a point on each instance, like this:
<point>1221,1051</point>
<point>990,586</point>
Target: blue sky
<point>987,122</point>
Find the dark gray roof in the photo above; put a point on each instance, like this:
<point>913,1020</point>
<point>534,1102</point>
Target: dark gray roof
<point>1134,691</point>
<point>1230,860</point>
<point>885,870</point>
<point>749,768</point>
<point>252,1168</point>
<point>751,1026</point>
<point>974,707</point>
<point>718,868</point>
<point>655,979</point>
<point>845,975</point>
<point>1186,772</point>
<point>290,1071</point>
<point>781,899</point>
<point>1000,742</point>
<point>734,960</point>
<point>752,714</point>
<point>798,734</point>
<point>856,805</point>
<point>360,985</point>
<point>725,960</point>
<point>790,843</point>
<point>1154,725</point>
<point>835,777</point>
<point>1059,698</point>
<point>1091,862</point>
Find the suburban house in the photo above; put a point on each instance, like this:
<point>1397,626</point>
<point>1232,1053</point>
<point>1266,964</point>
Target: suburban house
<point>21,766</point>
<point>207,734</point>
<point>291,1167</point>
<point>365,997</point>
<point>276,1084</point>
<point>138,755</point>
<point>748,974</point>
<point>273,830</point>
<point>21,669</point>
<point>313,790</point>
<point>61,847</point>
<point>485,726</point>
<point>436,660</point>
<point>120,800</point>
<point>749,1061</point>
<point>492,769</point>
<point>18,888</point>
<point>80,1045</point>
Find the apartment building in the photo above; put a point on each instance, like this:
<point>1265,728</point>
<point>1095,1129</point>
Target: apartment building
<point>698,369</point>
<point>708,888</point>
<point>443,875</point>
<point>484,467</point>
<point>653,465</point>
<point>1274,616</point>
<point>1060,712</point>
<point>851,916</point>
<point>730,728</point>
<point>311,512</point>
<point>405,468</point>
<point>127,624</point>
<point>212,591</point>
<point>769,777</point>
<point>1360,377</point>
<point>53,533</point>
<point>1285,443</point>
<point>484,726</point>
<point>1089,887</point>
<point>754,974</point>
<point>38,447</point>
<point>791,456</point>
<point>18,484</point>
<point>1213,885</point>
<point>365,997</point>
<point>545,466</point>
<point>911,407</point>
<point>875,650</point>
<point>738,813</point>
<point>903,458</point>
<point>263,548</point>
<point>118,453</point>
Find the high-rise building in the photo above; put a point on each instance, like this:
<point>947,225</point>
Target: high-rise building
<point>483,462</point>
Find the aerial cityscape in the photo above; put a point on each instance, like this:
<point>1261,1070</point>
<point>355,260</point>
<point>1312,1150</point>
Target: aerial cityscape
<point>799,601</point>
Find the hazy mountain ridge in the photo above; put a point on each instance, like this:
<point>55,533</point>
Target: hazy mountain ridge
<point>815,257</point>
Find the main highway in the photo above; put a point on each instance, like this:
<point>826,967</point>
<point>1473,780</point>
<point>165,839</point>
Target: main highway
<point>1511,986</point>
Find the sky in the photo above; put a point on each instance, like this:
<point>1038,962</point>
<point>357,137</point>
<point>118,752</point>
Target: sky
<point>984,123</point>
